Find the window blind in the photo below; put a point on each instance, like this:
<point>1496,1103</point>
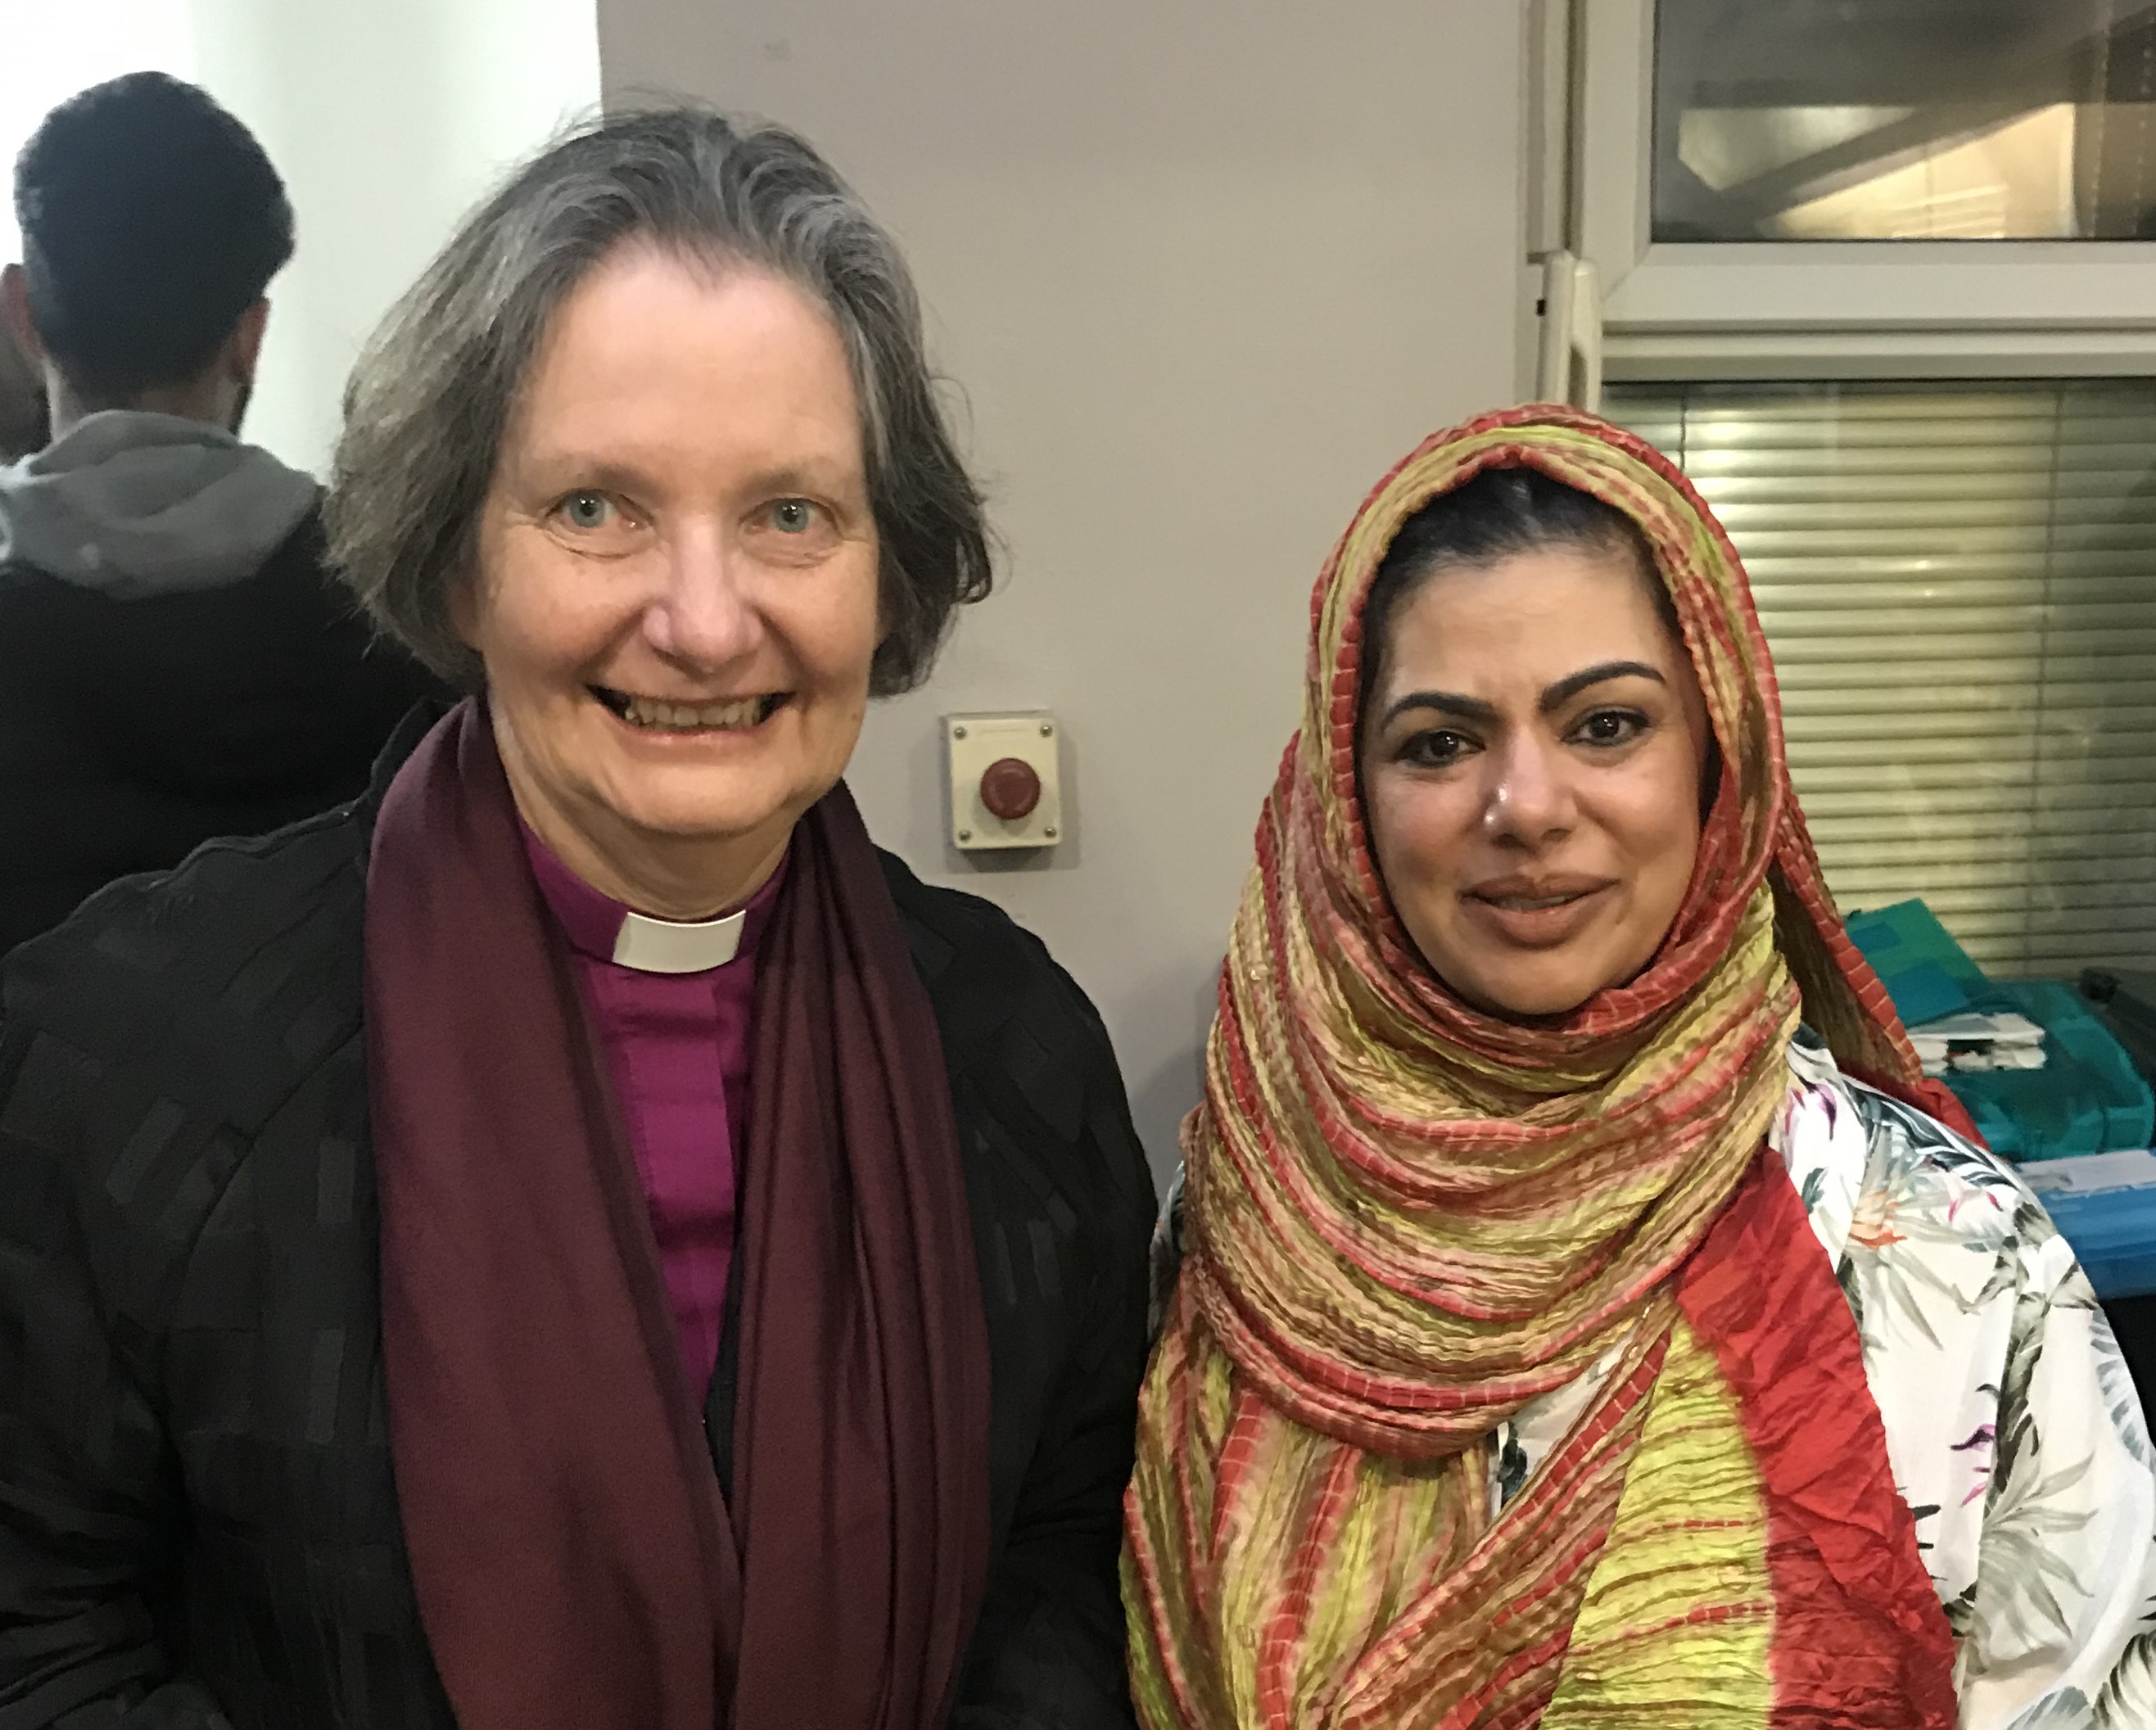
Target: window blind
<point>1958,584</point>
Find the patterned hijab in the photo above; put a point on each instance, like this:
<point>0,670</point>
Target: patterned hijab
<point>1406,1218</point>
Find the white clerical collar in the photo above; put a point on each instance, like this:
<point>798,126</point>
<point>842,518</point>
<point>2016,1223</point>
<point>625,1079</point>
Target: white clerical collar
<point>659,946</point>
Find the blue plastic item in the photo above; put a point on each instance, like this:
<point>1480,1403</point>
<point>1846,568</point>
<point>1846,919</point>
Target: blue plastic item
<point>2105,1206</point>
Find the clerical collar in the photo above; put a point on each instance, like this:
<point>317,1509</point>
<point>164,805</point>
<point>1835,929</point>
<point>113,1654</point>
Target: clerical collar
<point>659,946</point>
<point>604,929</point>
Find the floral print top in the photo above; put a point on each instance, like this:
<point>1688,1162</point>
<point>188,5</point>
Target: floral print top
<point>2014,1429</point>
<point>2015,1433</point>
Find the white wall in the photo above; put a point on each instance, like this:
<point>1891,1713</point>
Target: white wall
<point>1204,271</point>
<point>387,118</point>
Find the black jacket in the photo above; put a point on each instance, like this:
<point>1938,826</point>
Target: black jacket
<point>197,1523</point>
<point>132,731</point>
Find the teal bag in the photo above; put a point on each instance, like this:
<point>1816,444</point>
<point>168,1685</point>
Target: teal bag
<point>2088,1097</point>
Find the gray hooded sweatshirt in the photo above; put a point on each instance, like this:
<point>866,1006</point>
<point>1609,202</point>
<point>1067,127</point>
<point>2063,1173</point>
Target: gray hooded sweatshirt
<point>177,661</point>
<point>132,505</point>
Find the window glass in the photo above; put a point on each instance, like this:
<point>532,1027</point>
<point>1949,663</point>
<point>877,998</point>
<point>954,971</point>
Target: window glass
<point>1958,584</point>
<point>1905,120</point>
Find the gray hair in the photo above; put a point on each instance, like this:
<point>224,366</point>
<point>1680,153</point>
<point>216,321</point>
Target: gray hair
<point>432,394</point>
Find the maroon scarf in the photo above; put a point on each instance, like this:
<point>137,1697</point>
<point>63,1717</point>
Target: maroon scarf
<point>575,1563</point>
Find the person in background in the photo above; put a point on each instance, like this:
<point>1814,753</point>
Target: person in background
<point>24,422</point>
<point>1584,1316</point>
<point>580,1240</point>
<point>176,662</point>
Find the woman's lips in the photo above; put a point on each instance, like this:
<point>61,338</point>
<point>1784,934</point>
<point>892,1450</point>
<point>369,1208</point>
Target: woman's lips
<point>1538,917</point>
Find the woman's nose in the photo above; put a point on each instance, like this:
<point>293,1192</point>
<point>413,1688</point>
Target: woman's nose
<point>1527,800</point>
<point>704,617</point>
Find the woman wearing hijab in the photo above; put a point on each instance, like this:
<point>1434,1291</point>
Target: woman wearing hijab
<point>577,1239</point>
<point>1584,1316</point>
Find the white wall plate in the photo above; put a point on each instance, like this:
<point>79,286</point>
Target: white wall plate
<point>1011,761</point>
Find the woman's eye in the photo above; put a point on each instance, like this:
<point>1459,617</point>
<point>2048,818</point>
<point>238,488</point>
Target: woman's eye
<point>588,510</point>
<point>1435,750</point>
<point>1611,726</point>
<point>795,531</point>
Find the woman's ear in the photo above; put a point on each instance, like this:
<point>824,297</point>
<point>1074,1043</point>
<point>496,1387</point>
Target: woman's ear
<point>1710,776</point>
<point>464,610</point>
<point>890,582</point>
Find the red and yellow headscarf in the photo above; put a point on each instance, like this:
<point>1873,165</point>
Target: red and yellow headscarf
<point>1405,1219</point>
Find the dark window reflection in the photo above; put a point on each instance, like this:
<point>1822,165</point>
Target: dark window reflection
<point>1905,120</point>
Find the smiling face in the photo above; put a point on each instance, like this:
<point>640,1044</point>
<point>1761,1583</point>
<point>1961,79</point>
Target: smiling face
<point>1532,756</point>
<point>676,592</point>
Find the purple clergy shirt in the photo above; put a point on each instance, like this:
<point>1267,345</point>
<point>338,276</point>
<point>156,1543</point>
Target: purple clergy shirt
<point>678,1045</point>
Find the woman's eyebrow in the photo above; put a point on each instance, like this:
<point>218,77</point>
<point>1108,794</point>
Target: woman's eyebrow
<point>568,466</point>
<point>1446,702</point>
<point>1450,702</point>
<point>1570,686</point>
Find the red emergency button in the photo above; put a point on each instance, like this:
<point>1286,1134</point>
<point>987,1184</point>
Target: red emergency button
<point>1010,788</point>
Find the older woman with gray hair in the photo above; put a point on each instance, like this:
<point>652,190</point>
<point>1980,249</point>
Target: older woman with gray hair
<point>578,1237</point>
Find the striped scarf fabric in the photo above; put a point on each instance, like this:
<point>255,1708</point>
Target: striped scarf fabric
<point>1405,1219</point>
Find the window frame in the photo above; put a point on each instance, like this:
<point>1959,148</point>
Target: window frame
<point>1810,309</point>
